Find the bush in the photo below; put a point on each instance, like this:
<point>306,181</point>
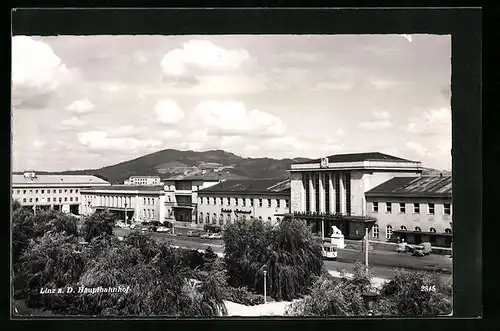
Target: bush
<point>242,296</point>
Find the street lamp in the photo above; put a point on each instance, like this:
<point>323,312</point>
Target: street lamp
<point>125,213</point>
<point>369,298</point>
<point>90,207</point>
<point>366,247</point>
<point>265,287</point>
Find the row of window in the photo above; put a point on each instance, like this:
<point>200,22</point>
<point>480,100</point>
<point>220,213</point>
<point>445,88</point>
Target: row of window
<point>149,201</point>
<point>228,218</point>
<point>431,208</point>
<point>106,200</point>
<point>53,199</point>
<point>48,191</point>
<point>148,213</point>
<point>388,230</point>
<point>236,202</point>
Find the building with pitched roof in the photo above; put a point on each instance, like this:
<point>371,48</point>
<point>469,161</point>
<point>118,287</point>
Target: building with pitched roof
<point>130,203</point>
<point>265,199</point>
<point>416,209</point>
<point>334,187</point>
<point>181,194</point>
<point>58,192</point>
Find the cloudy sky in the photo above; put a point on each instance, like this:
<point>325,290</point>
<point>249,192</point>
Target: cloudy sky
<point>90,101</point>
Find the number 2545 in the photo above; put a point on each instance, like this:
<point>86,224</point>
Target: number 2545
<point>430,288</point>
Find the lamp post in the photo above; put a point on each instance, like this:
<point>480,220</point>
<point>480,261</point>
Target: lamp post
<point>366,247</point>
<point>265,286</point>
<point>125,204</point>
<point>90,207</point>
<point>369,298</point>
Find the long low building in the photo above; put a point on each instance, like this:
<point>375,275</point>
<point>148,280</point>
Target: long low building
<point>130,203</point>
<point>265,199</point>
<point>416,209</point>
<point>58,192</point>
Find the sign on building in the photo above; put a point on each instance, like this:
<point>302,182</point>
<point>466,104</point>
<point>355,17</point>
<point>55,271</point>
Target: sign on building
<point>324,163</point>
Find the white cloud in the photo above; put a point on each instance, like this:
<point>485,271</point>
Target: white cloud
<point>171,134</point>
<point>36,71</point>
<point>139,58</point>
<point>81,106</point>
<point>127,130</point>
<point>168,112</point>
<point>407,37</point>
<point>112,87</point>
<point>330,86</point>
<point>375,125</point>
<point>417,148</point>
<point>99,140</point>
<point>339,132</point>
<point>201,54</point>
<point>37,143</point>
<point>433,121</point>
<point>73,122</point>
<point>232,118</point>
<point>382,115</point>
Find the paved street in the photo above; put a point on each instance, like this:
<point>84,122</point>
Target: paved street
<point>383,264</point>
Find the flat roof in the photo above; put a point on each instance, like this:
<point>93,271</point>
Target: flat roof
<point>359,157</point>
<point>57,179</point>
<point>134,188</point>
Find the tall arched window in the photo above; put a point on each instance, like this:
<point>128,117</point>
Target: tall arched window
<point>432,230</point>
<point>214,218</point>
<point>388,232</point>
<point>418,229</point>
<point>201,218</point>
<point>375,231</point>
<point>260,218</point>
<point>447,230</point>
<point>221,219</point>
<point>208,218</point>
<point>228,217</point>
<point>403,227</point>
<point>277,219</point>
<point>269,219</point>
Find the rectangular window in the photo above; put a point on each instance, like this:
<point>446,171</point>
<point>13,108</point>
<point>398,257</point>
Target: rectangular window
<point>70,191</point>
<point>65,191</point>
<point>447,209</point>
<point>24,191</point>
<point>327,191</point>
<point>337,193</point>
<point>402,207</point>
<point>76,198</point>
<point>24,199</point>
<point>243,202</point>
<point>431,208</point>
<point>43,191</point>
<point>18,191</point>
<point>36,191</point>
<point>236,201</point>
<point>251,202</point>
<point>375,207</point>
<point>316,191</point>
<point>36,199</point>
<point>416,208</point>
<point>60,191</point>
<point>260,202</point>
<point>48,199</point>
<point>71,199</point>
<point>65,198</point>
<point>388,207</point>
<point>53,191</point>
<point>31,199</point>
<point>144,200</point>
<point>269,203</point>
<point>287,203</point>
<point>76,191</point>
<point>31,191</point>
<point>348,193</point>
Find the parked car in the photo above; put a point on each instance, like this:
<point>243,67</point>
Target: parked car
<point>162,229</point>
<point>192,233</point>
<point>205,235</point>
<point>215,236</point>
<point>422,249</point>
<point>145,229</point>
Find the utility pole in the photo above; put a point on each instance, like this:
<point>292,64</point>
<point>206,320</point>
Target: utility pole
<point>366,246</point>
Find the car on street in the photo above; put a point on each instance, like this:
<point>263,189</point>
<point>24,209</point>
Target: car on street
<point>422,249</point>
<point>205,235</point>
<point>329,251</point>
<point>162,229</point>
<point>145,229</point>
<point>192,233</point>
<point>215,236</point>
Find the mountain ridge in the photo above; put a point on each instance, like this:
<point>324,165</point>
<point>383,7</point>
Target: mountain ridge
<point>170,162</point>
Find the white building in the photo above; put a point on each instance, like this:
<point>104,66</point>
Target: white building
<point>143,181</point>
<point>139,203</point>
<point>58,192</point>
<point>336,185</point>
<point>264,199</point>
<point>181,194</point>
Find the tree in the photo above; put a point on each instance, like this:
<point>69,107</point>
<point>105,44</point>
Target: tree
<point>288,252</point>
<point>97,224</point>
<point>54,221</point>
<point>15,205</point>
<point>415,293</point>
<point>22,232</point>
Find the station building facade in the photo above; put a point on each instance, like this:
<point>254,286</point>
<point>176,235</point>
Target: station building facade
<point>416,209</point>
<point>58,192</point>
<point>331,190</point>
<point>143,181</point>
<point>264,199</point>
<point>129,203</point>
<point>181,194</point>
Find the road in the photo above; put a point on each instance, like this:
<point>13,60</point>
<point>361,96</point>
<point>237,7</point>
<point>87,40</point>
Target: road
<point>382,263</point>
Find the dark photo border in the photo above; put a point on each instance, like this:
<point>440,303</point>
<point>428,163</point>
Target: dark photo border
<point>464,26</point>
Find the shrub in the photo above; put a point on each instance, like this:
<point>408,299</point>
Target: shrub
<point>242,296</point>
<point>97,224</point>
